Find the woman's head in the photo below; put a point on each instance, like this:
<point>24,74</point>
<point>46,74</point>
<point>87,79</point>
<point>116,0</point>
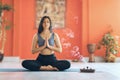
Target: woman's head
<point>45,23</point>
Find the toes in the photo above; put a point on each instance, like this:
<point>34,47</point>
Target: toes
<point>49,66</point>
<point>56,69</point>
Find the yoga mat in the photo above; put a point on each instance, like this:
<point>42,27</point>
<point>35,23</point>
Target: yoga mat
<point>25,70</point>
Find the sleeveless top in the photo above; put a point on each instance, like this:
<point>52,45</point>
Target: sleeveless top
<point>41,41</point>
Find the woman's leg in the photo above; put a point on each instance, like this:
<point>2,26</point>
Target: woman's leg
<point>32,65</point>
<point>61,65</point>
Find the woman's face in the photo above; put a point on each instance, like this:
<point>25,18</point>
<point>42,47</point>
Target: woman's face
<point>46,23</point>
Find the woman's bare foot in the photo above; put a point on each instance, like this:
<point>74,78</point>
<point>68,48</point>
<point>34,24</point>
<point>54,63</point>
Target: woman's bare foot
<point>48,68</point>
<point>52,68</point>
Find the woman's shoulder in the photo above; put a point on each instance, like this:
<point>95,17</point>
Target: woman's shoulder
<point>35,35</point>
<point>55,35</point>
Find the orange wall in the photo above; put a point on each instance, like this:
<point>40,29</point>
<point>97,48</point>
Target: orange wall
<point>97,16</point>
<point>103,13</point>
<point>86,22</point>
<point>9,40</point>
<point>25,26</point>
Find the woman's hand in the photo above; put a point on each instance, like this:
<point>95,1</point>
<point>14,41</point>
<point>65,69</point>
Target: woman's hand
<point>58,46</point>
<point>35,47</point>
<point>47,43</point>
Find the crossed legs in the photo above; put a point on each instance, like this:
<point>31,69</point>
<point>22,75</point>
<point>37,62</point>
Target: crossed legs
<point>35,65</point>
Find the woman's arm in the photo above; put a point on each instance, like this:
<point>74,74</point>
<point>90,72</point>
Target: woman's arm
<point>57,46</point>
<point>35,47</point>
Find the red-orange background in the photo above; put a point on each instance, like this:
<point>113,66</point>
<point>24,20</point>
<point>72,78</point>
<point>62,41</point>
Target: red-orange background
<point>86,21</point>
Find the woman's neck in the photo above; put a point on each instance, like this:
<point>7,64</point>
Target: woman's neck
<point>46,31</point>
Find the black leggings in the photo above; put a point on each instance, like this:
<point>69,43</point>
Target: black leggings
<point>44,60</point>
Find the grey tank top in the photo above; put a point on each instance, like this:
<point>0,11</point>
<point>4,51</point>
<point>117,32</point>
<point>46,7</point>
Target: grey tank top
<point>41,41</point>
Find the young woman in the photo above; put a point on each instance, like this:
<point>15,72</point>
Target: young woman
<point>46,42</point>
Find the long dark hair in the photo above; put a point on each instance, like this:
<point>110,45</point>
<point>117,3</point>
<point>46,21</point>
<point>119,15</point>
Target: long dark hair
<point>40,29</point>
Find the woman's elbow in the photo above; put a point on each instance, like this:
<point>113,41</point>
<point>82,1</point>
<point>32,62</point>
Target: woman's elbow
<point>32,51</point>
<point>60,50</point>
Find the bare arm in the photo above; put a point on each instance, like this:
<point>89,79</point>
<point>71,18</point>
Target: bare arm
<point>57,46</point>
<point>35,47</point>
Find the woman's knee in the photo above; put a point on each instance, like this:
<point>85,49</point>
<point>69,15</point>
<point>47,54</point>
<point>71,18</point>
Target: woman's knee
<point>24,63</point>
<point>67,64</point>
<point>31,65</point>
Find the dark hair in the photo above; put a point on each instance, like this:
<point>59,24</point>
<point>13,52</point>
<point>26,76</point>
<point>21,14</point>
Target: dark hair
<point>40,28</point>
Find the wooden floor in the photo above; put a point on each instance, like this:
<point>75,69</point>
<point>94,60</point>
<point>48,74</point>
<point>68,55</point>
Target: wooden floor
<point>104,71</point>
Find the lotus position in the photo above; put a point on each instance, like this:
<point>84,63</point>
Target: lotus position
<point>46,42</point>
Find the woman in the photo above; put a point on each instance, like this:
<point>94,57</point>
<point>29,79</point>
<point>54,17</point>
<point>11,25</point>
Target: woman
<point>43,42</point>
